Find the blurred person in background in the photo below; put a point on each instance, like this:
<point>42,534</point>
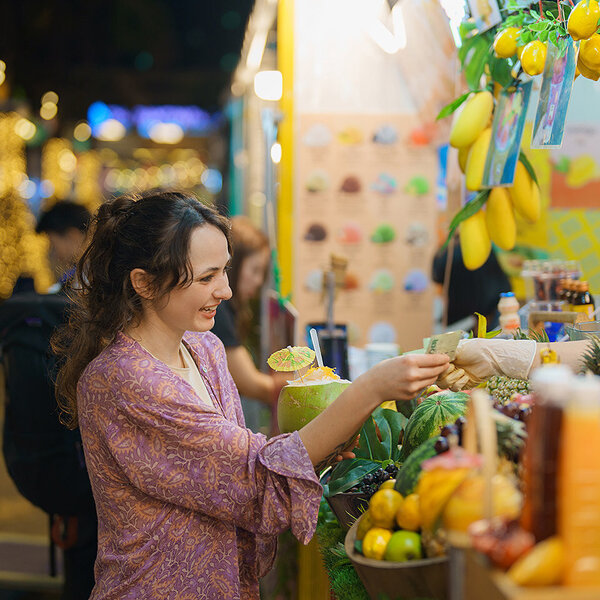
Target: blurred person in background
<point>43,458</point>
<point>234,321</point>
<point>471,291</point>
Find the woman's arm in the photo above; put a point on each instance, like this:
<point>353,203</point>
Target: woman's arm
<point>248,379</point>
<point>398,378</point>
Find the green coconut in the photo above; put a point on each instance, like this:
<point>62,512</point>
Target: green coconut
<point>300,404</point>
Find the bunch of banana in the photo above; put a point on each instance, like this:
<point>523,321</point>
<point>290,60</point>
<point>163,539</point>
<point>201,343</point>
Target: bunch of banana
<point>471,134</point>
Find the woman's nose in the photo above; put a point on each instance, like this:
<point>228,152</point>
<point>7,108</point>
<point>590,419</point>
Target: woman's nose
<point>223,292</point>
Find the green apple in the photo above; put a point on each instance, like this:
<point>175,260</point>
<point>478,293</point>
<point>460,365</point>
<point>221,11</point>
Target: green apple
<point>403,546</point>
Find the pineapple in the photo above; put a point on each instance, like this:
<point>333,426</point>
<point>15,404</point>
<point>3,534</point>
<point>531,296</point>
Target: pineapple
<point>511,436</point>
<point>590,362</point>
<point>502,388</point>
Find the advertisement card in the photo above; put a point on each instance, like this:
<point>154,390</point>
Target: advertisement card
<point>507,131</point>
<point>557,82</point>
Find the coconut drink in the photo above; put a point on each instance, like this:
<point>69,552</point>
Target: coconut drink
<point>308,396</point>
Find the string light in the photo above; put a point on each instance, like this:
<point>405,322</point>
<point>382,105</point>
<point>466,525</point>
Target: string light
<point>58,167</point>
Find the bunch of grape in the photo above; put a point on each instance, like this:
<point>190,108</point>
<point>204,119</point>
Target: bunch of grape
<point>514,410</point>
<point>451,435</point>
<point>371,481</point>
<point>503,388</point>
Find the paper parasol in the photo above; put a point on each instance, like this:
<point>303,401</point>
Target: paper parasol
<point>291,358</point>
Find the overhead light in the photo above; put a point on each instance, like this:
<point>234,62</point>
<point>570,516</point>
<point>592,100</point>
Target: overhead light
<point>82,132</point>
<point>389,42</point>
<point>25,129</point>
<point>268,85</point>
<point>111,130</point>
<point>166,133</point>
<point>276,153</point>
<point>48,111</point>
<point>257,48</point>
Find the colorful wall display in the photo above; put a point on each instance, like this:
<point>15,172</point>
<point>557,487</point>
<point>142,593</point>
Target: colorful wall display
<point>374,204</point>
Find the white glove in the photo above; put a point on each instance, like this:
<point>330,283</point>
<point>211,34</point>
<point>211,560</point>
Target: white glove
<point>481,358</point>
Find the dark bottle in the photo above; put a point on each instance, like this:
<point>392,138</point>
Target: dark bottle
<point>582,301</point>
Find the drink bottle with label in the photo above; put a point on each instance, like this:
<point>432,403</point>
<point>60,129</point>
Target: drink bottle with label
<point>582,301</point>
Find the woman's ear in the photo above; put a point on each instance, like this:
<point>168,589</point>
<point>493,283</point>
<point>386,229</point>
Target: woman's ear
<point>140,282</point>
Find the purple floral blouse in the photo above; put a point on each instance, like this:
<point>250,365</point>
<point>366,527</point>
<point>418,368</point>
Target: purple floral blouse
<point>189,501</point>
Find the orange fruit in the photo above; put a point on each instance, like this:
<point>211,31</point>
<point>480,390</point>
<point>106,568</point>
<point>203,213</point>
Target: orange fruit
<point>409,515</point>
<point>375,542</point>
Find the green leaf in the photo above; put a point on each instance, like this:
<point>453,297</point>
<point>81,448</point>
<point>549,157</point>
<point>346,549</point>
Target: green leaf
<point>543,36</point>
<point>539,26</point>
<point>474,70</point>
<point>468,210</point>
<point>345,476</point>
<point>528,166</point>
<point>368,436</point>
<point>493,333</point>
<point>534,15</point>
<point>563,164</point>
<point>391,424</point>
<point>553,37</point>
<point>450,108</point>
<point>406,408</point>
<point>500,71</point>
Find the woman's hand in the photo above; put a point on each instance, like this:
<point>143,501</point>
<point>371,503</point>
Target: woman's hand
<point>403,377</point>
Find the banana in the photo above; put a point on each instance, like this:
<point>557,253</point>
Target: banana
<point>475,241</point>
<point>472,119</point>
<point>525,195</point>
<point>476,160</point>
<point>500,219</point>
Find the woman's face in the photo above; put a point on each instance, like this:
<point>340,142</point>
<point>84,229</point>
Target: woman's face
<point>252,274</point>
<point>193,308</point>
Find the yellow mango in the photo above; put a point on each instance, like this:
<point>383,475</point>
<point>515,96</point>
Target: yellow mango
<point>542,565</point>
<point>500,219</point>
<point>463,154</point>
<point>525,195</point>
<point>475,242</point>
<point>469,122</point>
<point>476,160</point>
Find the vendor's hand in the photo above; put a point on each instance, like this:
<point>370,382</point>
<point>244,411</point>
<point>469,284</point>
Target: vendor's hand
<point>482,358</point>
<point>347,453</point>
<point>403,377</point>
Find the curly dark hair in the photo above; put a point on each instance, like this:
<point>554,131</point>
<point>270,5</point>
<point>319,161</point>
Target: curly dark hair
<point>151,232</point>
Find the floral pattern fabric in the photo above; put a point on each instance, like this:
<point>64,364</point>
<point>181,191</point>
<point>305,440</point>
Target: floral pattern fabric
<point>189,501</point>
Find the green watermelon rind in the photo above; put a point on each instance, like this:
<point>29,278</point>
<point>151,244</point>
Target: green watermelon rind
<point>421,426</point>
<point>408,474</point>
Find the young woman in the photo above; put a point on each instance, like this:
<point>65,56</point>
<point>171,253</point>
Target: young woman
<point>249,266</point>
<point>189,501</point>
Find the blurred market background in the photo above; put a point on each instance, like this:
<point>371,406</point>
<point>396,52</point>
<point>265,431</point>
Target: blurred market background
<point>317,119</point>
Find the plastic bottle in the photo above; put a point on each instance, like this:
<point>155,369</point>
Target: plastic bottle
<point>551,387</point>
<point>508,308</point>
<point>579,484</point>
<point>582,301</point>
<point>567,293</point>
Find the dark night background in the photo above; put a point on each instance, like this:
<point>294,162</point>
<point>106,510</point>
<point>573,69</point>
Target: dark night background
<point>122,51</point>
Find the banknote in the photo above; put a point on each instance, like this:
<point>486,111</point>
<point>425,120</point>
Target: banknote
<point>445,343</point>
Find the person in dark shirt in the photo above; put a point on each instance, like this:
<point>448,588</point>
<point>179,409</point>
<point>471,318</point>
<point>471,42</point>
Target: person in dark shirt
<point>471,291</point>
<point>233,320</point>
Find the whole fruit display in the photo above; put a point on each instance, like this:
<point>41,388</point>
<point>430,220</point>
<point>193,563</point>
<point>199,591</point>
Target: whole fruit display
<point>500,219</point>
<point>475,243</point>
<point>505,42</point>
<point>533,57</point>
<point>403,546</point>
<point>299,404</point>
<point>476,160</point>
<point>430,416</point>
<point>472,119</point>
<point>583,20</point>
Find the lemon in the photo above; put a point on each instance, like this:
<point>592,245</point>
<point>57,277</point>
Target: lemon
<point>533,58</point>
<point>583,20</point>
<point>583,70</point>
<point>375,542</point>
<point>383,507</point>
<point>365,524</point>
<point>519,51</point>
<point>505,43</point>
<point>409,515</point>
<point>388,484</point>
<point>589,52</point>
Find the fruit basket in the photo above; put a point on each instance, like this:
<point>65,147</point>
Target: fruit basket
<point>426,578</point>
<point>347,507</point>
